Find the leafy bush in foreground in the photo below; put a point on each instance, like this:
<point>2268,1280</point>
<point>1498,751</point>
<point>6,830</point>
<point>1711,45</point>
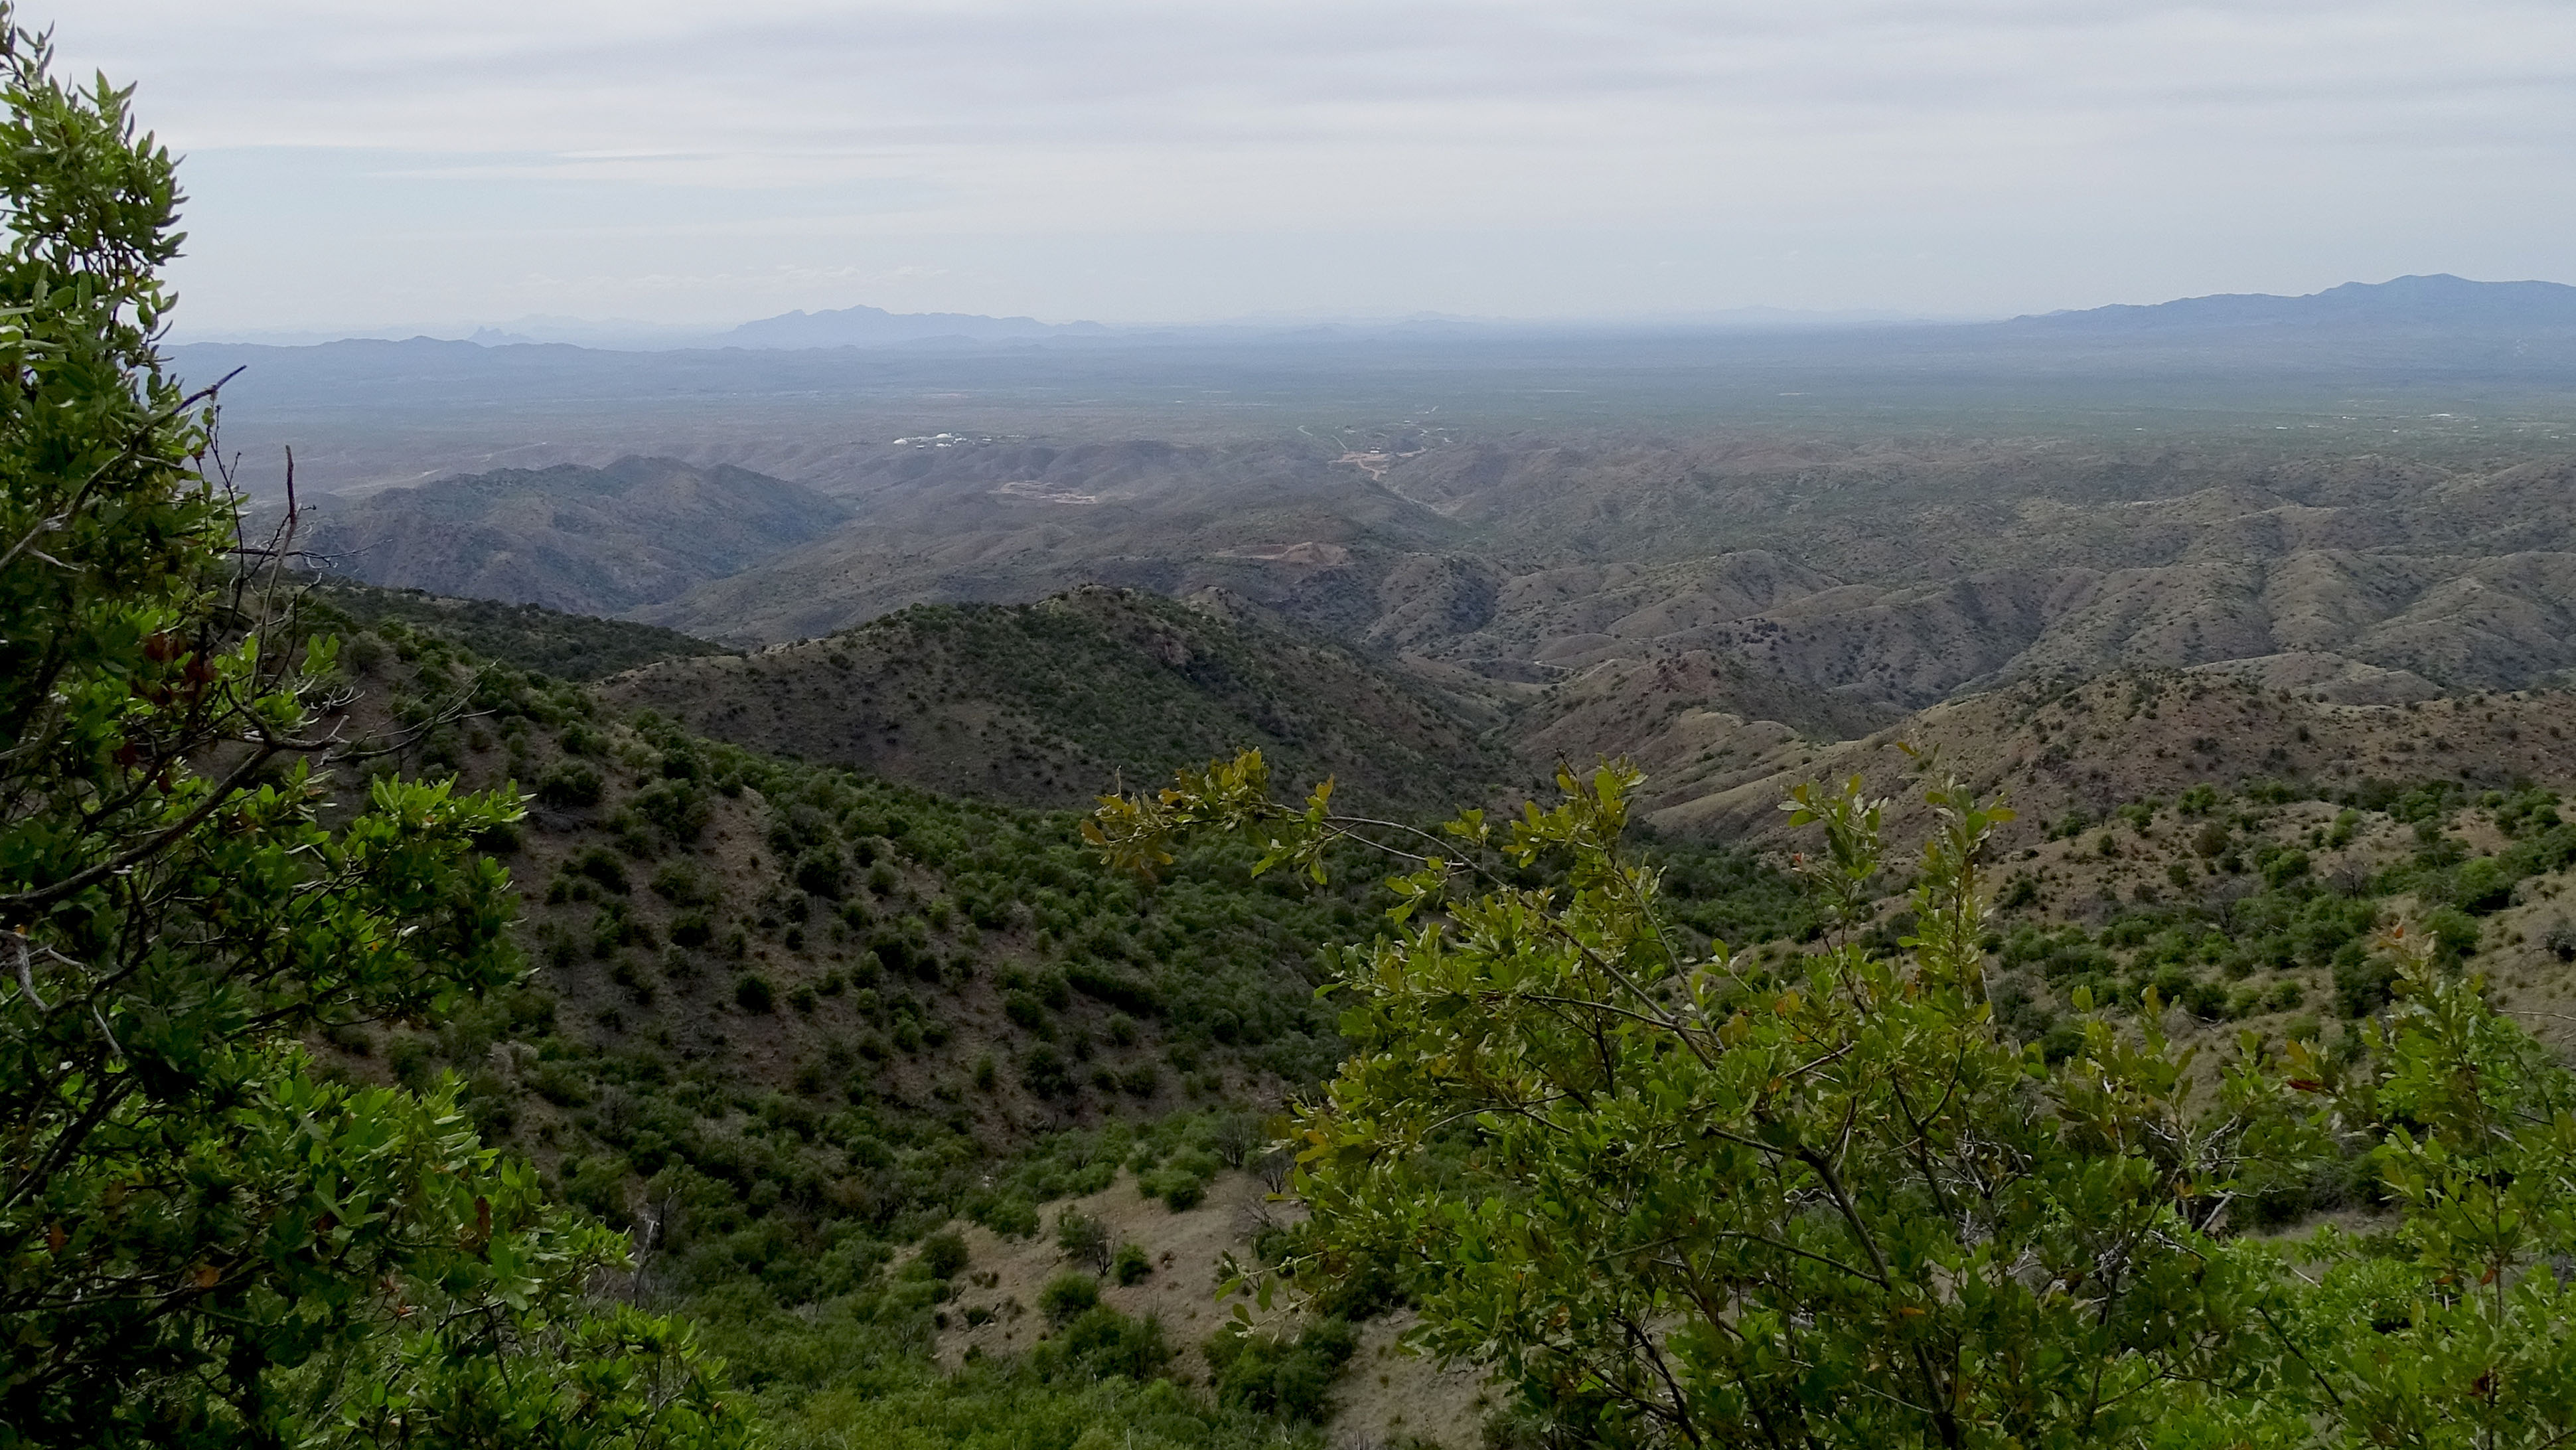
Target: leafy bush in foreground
<point>202,1240</point>
<point>1838,1204</point>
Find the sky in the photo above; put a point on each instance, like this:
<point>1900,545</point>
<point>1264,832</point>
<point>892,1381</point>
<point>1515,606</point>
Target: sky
<point>357,165</point>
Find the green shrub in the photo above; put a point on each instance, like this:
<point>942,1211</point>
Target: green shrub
<point>1083,1239</point>
<point>677,808</point>
<point>601,865</point>
<point>752,993</point>
<point>2282,869</point>
<point>1180,1181</point>
<point>410,1057</point>
<point>945,1254</point>
<point>1043,1071</point>
<point>683,885</point>
<point>612,928</point>
<point>1271,1375</point>
<point>1025,1010</point>
<point>570,786</point>
<point>1130,1265</point>
<point>1118,989</point>
<point>597,1186</point>
<point>1067,1295</point>
<point>1105,1342</point>
<point>2454,933</point>
<point>820,871</point>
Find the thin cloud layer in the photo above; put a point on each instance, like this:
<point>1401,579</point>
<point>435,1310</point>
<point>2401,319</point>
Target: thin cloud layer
<point>359,162</point>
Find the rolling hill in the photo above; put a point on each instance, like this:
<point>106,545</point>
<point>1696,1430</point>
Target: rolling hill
<point>1054,703</point>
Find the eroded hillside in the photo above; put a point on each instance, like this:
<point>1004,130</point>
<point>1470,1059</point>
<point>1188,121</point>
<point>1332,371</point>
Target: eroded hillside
<point>1895,573</point>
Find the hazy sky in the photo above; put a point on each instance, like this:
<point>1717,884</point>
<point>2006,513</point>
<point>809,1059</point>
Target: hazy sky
<point>359,163</point>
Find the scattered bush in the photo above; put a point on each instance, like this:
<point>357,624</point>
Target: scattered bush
<point>602,867</point>
<point>692,929</point>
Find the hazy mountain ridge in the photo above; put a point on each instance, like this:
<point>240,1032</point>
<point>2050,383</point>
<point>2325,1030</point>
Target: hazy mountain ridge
<point>586,540</point>
<point>1714,601</point>
<point>2439,300</point>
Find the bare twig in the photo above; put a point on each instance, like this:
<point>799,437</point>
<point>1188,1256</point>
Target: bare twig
<point>25,952</point>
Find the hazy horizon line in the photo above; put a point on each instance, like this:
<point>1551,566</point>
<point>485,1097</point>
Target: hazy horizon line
<point>639,334</point>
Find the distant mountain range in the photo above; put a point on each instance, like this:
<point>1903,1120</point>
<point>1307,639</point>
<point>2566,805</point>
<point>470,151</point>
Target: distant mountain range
<point>2386,360</point>
<point>841,327</point>
<point>2438,301</point>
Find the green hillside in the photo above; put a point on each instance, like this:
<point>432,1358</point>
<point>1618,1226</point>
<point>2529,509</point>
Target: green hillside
<point>576,647</point>
<point>784,1019</point>
<point>1053,703</point>
<point>824,950</point>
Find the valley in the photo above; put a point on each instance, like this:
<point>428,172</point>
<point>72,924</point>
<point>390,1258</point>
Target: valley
<point>791,1014</point>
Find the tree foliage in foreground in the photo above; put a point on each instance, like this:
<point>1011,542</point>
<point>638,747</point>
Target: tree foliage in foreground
<point>1833,1203</point>
<point>202,1241</point>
